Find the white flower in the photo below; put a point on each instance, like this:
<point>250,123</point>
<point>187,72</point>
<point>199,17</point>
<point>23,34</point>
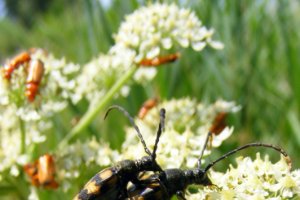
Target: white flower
<point>90,154</point>
<point>99,75</point>
<point>254,179</point>
<point>10,142</point>
<point>33,194</point>
<point>56,87</point>
<point>186,127</point>
<point>21,117</point>
<point>158,27</point>
<point>147,33</point>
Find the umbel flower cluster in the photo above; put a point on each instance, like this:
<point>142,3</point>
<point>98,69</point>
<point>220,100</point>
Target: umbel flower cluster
<point>64,83</point>
<point>186,127</point>
<point>253,179</point>
<point>20,117</point>
<point>151,32</point>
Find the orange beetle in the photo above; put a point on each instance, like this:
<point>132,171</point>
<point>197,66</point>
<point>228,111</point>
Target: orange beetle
<point>35,74</point>
<point>147,106</point>
<point>218,124</point>
<point>42,171</point>
<point>160,60</point>
<point>15,63</point>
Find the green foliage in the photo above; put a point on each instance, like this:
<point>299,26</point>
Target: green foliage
<point>258,68</point>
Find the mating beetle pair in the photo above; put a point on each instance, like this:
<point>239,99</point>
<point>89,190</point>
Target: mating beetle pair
<point>112,183</point>
<point>35,72</point>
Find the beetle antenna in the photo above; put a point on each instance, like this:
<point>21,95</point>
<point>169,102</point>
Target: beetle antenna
<point>132,123</point>
<point>209,134</point>
<point>161,127</point>
<point>216,128</point>
<point>288,159</point>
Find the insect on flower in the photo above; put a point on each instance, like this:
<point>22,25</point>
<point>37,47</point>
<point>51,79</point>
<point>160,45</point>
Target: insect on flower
<point>42,171</point>
<point>111,182</point>
<point>217,126</point>
<point>146,107</point>
<point>164,185</point>
<point>18,60</point>
<point>35,74</point>
<point>160,60</point>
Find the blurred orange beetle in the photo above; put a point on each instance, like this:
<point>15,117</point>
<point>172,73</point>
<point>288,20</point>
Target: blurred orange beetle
<point>160,60</point>
<point>218,124</point>
<point>18,60</point>
<point>146,107</point>
<point>41,172</point>
<point>35,74</point>
<point>35,71</point>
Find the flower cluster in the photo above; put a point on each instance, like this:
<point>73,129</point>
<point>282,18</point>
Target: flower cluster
<point>187,123</point>
<point>186,127</point>
<point>56,87</point>
<point>159,27</point>
<point>21,118</point>
<point>253,179</point>
<point>149,32</point>
<point>99,75</point>
<point>81,155</point>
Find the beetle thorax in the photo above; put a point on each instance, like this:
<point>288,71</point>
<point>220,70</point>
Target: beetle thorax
<point>199,177</point>
<point>127,167</point>
<point>145,163</point>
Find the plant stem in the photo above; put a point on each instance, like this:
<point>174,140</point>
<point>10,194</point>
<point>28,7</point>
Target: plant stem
<point>23,136</point>
<point>93,111</point>
<point>19,186</point>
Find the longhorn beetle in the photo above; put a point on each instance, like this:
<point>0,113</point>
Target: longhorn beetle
<point>35,71</point>
<point>159,60</point>
<point>111,182</point>
<point>41,172</point>
<point>164,185</point>
<point>35,74</point>
<point>18,60</point>
<point>147,106</point>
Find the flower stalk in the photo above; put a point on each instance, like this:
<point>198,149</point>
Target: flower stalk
<point>23,136</point>
<point>90,115</point>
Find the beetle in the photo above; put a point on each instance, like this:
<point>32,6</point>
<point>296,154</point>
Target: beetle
<point>35,71</point>
<point>35,74</point>
<point>18,60</point>
<point>159,60</point>
<point>164,185</point>
<point>147,106</point>
<point>218,125</point>
<point>41,172</point>
<point>111,182</point>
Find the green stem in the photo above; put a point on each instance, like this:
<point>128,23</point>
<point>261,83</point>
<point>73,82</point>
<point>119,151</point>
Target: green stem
<point>23,136</point>
<point>19,186</point>
<point>92,112</point>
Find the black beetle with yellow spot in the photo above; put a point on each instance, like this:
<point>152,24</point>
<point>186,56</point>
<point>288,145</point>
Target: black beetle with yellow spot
<point>111,183</point>
<point>165,184</point>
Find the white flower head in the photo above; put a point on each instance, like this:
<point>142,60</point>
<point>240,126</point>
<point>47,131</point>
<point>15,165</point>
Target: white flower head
<point>100,74</point>
<point>90,154</point>
<point>186,127</point>
<point>56,87</point>
<point>20,117</point>
<point>159,27</point>
<point>254,179</point>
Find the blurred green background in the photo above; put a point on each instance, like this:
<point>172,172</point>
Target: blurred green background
<point>258,68</point>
